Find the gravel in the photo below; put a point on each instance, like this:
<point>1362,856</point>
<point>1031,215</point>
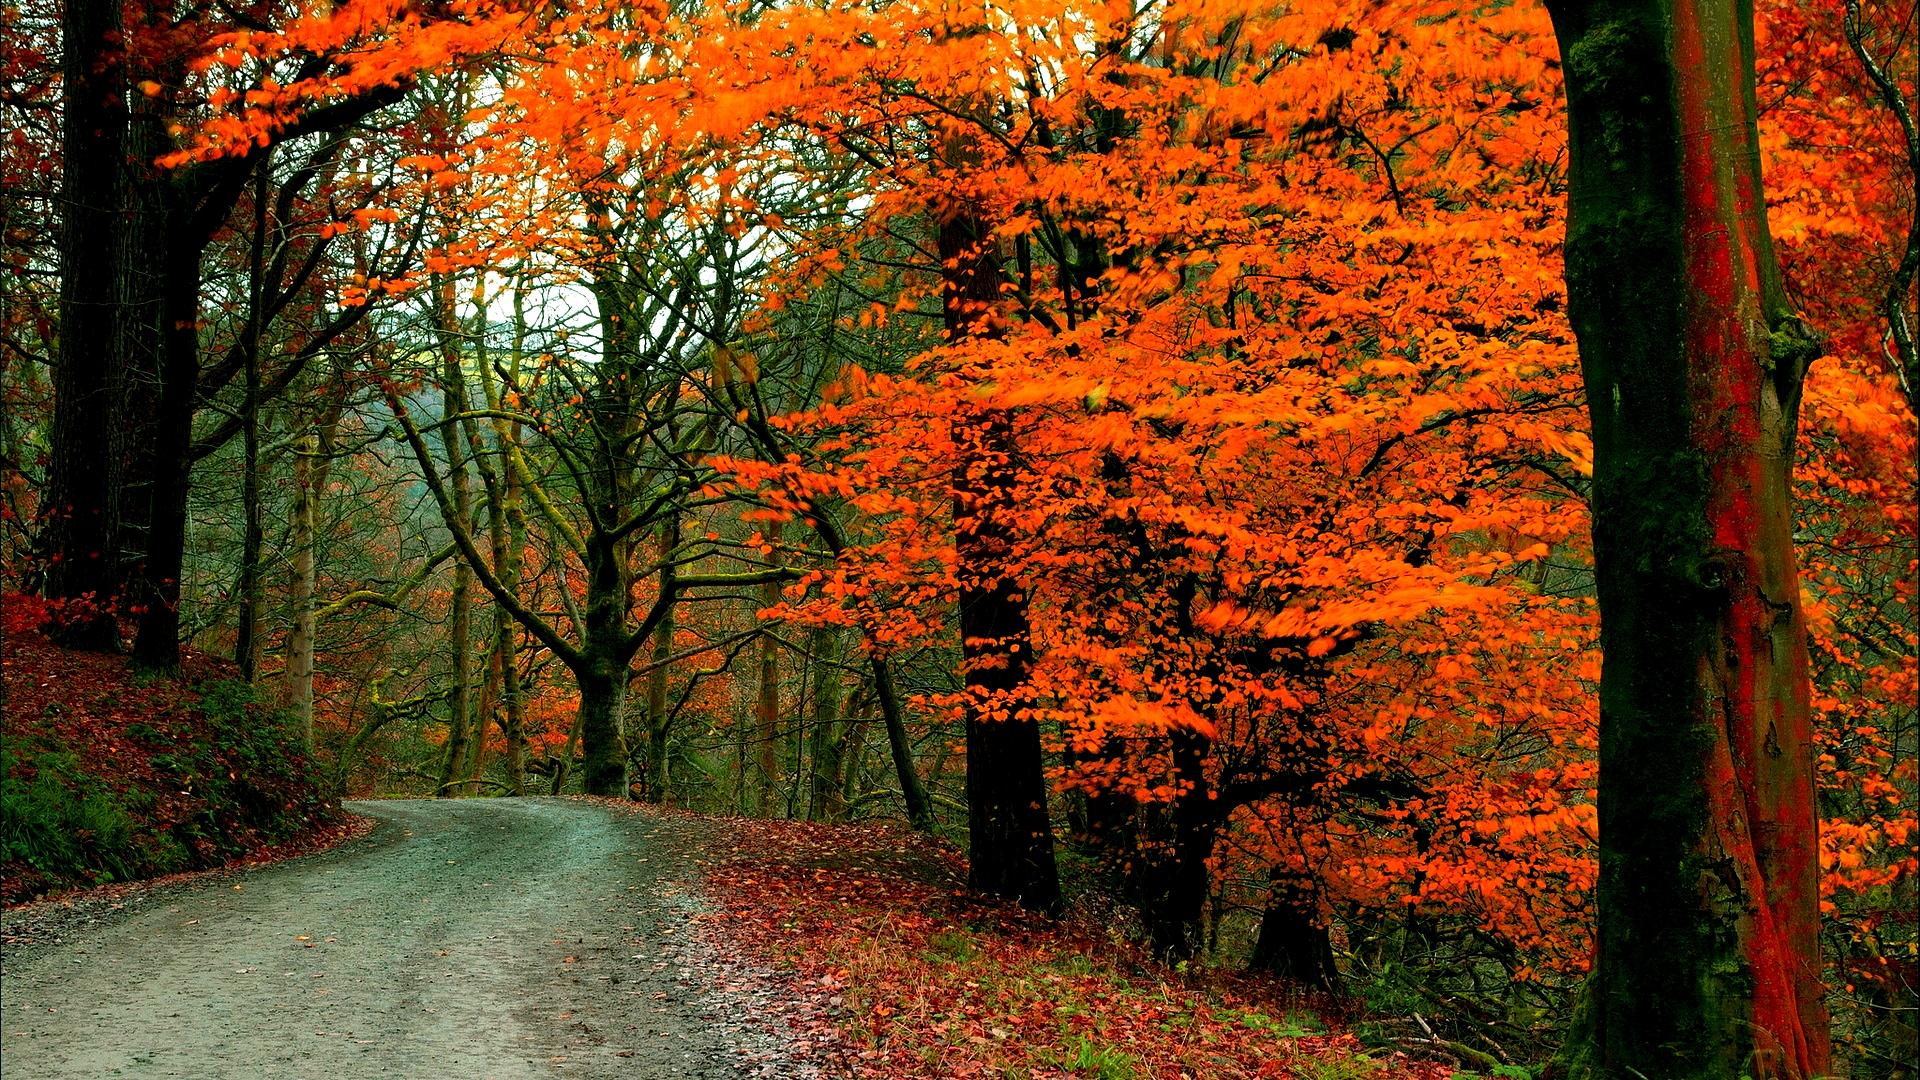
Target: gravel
<point>477,938</point>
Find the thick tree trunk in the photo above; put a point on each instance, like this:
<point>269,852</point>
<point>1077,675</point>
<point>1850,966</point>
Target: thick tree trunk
<point>603,690</point>
<point>1293,942</point>
<point>1010,838</point>
<point>80,535</point>
<point>1173,888</point>
<point>1708,960</point>
<point>603,745</point>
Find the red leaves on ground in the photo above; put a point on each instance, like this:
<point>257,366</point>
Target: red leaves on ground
<point>131,734</point>
<point>926,979</point>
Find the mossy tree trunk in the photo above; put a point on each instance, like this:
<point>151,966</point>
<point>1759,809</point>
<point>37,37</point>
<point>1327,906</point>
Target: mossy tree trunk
<point>826,733</point>
<point>1708,962</point>
<point>453,398</point>
<point>766,706</point>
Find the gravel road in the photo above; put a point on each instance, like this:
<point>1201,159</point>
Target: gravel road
<point>477,938</point>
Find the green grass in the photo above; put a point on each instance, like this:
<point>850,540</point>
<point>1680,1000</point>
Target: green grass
<point>63,822</point>
<point>1082,1056</point>
<point>75,822</point>
<point>1341,1068</point>
<point>1292,1025</point>
<point>951,947</point>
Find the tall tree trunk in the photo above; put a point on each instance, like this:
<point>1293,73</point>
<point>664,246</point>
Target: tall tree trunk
<point>246,646</point>
<point>826,732</point>
<point>1010,839</point>
<point>1173,886</point>
<point>300,634</point>
<point>453,398</point>
<point>506,636</point>
<point>766,706</point>
<point>312,461</point>
<point>170,467</point>
<point>80,535</point>
<point>507,539</point>
<point>1708,961</point>
<point>659,718</point>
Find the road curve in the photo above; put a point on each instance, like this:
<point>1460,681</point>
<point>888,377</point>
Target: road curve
<point>492,939</point>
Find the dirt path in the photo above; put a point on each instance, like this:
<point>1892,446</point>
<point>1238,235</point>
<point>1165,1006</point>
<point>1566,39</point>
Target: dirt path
<point>496,938</point>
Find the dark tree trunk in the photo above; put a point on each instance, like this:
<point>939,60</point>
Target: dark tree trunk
<point>1293,942</point>
<point>1708,961</point>
<point>603,765</point>
<point>1173,882</point>
<point>913,792</point>
<point>659,713</point>
<point>80,534</point>
<point>1010,839</point>
<point>157,646</point>
<point>246,646</point>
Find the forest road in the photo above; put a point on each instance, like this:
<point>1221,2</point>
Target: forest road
<point>463,939</point>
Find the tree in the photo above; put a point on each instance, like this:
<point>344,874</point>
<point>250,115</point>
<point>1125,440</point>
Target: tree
<point>1707,958</point>
<point>80,537</point>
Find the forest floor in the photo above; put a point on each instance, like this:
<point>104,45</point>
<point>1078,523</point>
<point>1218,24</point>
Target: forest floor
<point>110,774</point>
<point>923,978</point>
<point>497,938</point>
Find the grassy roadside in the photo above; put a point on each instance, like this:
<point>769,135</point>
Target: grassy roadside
<point>108,774</point>
<point>925,979</point>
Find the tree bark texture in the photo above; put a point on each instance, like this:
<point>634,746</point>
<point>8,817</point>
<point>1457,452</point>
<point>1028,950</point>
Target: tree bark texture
<point>766,707</point>
<point>246,646</point>
<point>659,713</point>
<point>1708,962</point>
<point>169,470</point>
<point>453,397</point>
<point>80,531</point>
<point>826,732</point>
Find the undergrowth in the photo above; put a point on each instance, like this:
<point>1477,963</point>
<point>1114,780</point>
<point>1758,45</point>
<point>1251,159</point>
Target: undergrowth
<point>108,775</point>
<point>927,979</point>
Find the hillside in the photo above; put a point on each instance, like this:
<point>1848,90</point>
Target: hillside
<point>109,774</point>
